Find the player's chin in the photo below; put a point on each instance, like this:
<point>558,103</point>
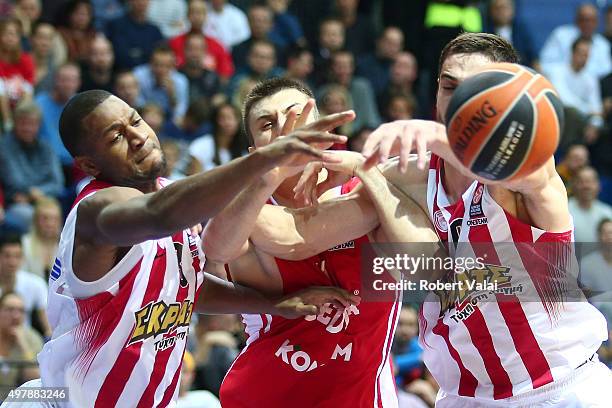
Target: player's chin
<point>153,165</point>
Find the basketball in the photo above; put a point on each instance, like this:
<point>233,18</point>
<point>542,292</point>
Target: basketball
<point>504,122</point>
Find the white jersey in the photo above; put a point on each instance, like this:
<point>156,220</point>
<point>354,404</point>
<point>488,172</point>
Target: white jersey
<point>119,341</point>
<point>516,333</point>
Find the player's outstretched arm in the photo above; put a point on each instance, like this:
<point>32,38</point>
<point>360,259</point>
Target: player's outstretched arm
<point>222,297</point>
<point>122,216</point>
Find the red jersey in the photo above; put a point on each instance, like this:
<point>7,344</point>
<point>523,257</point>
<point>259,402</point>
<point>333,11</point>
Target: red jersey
<point>217,59</point>
<point>335,359</point>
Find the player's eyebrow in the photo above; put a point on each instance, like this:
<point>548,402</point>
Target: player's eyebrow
<point>117,124</point>
<point>288,108</point>
<point>448,77</point>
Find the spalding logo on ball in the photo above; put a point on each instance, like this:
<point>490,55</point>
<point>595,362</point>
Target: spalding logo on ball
<point>504,122</point>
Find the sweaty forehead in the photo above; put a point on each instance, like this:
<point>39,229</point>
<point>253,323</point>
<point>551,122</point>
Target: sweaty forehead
<point>462,66</point>
<point>279,101</point>
<point>106,113</point>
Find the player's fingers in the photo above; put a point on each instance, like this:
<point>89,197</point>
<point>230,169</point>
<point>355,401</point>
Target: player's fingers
<point>372,160</point>
<point>312,137</point>
<point>301,120</point>
<point>421,147</point>
<point>306,310</point>
<point>290,120</point>
<point>386,144</point>
<point>405,149</point>
<point>333,121</point>
<point>310,170</point>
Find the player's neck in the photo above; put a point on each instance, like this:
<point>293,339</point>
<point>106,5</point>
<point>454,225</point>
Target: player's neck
<point>454,182</point>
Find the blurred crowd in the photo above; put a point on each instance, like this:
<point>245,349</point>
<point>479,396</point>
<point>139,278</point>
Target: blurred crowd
<point>187,67</point>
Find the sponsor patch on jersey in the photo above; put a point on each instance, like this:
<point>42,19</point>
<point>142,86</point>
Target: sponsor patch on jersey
<point>346,245</point>
<point>440,222</point>
<point>477,221</point>
<point>476,206</point>
<point>56,271</point>
<point>159,318</point>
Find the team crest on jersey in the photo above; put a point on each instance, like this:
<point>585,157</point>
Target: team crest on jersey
<point>346,245</point>
<point>160,318</point>
<point>440,222</point>
<point>476,206</point>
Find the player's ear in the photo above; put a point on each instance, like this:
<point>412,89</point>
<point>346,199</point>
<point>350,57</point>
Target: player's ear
<point>87,165</point>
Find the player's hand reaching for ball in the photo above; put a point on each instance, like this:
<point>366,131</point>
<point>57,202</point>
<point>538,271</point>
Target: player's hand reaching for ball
<point>310,300</point>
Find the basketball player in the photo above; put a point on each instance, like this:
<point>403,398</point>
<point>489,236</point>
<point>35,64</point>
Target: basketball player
<point>525,347</point>
<point>128,273</point>
<point>338,358</point>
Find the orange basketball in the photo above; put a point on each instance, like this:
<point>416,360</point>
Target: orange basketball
<point>504,122</point>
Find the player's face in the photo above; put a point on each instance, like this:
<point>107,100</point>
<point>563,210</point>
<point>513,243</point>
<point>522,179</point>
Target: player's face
<point>268,116</point>
<point>124,148</point>
<point>455,69</point>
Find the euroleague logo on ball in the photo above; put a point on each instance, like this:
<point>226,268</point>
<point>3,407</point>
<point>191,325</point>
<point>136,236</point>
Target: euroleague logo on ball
<point>440,222</point>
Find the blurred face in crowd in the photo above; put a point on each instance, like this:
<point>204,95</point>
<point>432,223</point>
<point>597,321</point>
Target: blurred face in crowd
<point>126,87</point>
<point>162,64</point>
<point>260,21</point>
<point>587,19</point>
<point>455,69</point>
<point>391,43</point>
<point>262,58</point>
<point>11,258</point>
<point>67,82</point>
<point>48,221</point>
<point>347,6</point>
<point>122,148</point>
<point>30,8</point>
<point>154,117</point>
<point>301,66</point>
<point>218,4</point>
<point>195,46</point>
<point>279,6</point>
<point>196,13</point>
<point>605,232</point>
<point>335,101</point>
<point>267,117</point>
<point>138,8</point>
<point>400,108</point>
<point>12,311</point>
<point>576,157</point>
<point>342,68</point>
<point>27,126</point>
<point>101,54</point>
<point>331,36</point>
<point>228,121</point>
<point>586,185</point>
<point>502,12</point>
<point>404,69</point>
<point>172,154</point>
<point>42,39</point>
<point>407,326</point>
<point>10,37</point>
<point>81,16</point>
<point>580,55</point>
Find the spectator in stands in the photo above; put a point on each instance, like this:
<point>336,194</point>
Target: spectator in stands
<point>153,115</point>
<point>261,64</point>
<point>46,59</point>
<point>203,83</point>
<point>19,344</point>
<point>402,78</point>
<point>586,210</point>
<point>400,107</point>
<point>216,58</point>
<point>358,139</point>
<point>407,354</point>
<point>106,11</point>
<point>261,20</point>
<point>168,16</point>
<point>375,66</point>
<point>29,169</point>
<point>161,83</point>
<point>557,49</point>
<point>364,103</point>
<point>76,27</point>
<point>27,12</point>
<point>576,158</point>
<point>577,87</point>
<point>226,23</point>
<point>331,39</point>
<point>196,121</point>
<point>335,99</point>
<point>97,71</point>
<point>286,31</point>
<point>133,38</point>
<point>67,83</point>
<point>226,142</point>
<point>126,87</point>
<point>196,398</point>
<point>299,65</point>
<point>596,270</point>
<point>608,24</point>
<point>31,288</point>
<point>40,244</point>
<point>16,66</point>
<point>359,29</point>
<point>503,22</point>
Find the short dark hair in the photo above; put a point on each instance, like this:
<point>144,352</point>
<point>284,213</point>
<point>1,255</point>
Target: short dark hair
<point>601,224</point>
<point>579,40</point>
<point>267,88</point>
<point>492,46</point>
<point>10,239</point>
<point>162,48</point>
<point>71,120</point>
<point>296,51</point>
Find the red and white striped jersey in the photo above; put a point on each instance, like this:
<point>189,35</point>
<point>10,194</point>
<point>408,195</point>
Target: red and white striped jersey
<point>119,341</point>
<point>493,344</point>
<point>335,359</point>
